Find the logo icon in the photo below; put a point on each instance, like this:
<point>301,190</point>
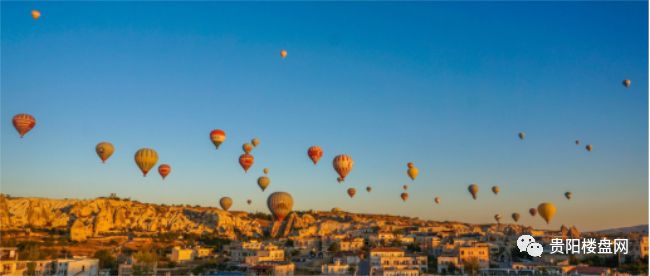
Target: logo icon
<point>527,243</point>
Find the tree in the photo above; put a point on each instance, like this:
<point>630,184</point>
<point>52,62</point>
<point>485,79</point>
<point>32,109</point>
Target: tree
<point>106,260</point>
<point>334,247</point>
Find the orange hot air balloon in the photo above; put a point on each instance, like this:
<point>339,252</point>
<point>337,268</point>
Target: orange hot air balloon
<point>247,147</point>
<point>225,202</point>
<point>280,204</point>
<point>249,201</point>
<point>532,211</point>
<point>473,189</point>
<point>496,189</point>
<point>217,137</point>
<point>315,153</point>
<point>343,165</point>
<point>589,147</point>
<point>412,171</point>
<point>283,53</point>
<point>164,170</point>
<point>145,159</point>
<point>404,196</point>
<point>547,210</point>
<point>352,192</point>
<point>246,161</point>
<point>368,189</point>
<point>255,142</point>
<point>104,150</point>
<point>263,182</point>
<point>23,123</point>
<point>36,14</point>
<point>405,187</point>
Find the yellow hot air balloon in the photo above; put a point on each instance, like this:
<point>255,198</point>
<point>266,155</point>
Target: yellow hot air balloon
<point>263,182</point>
<point>522,135</point>
<point>225,202</point>
<point>146,158</point>
<point>255,142</point>
<point>280,204</point>
<point>247,148</point>
<point>412,171</point>
<point>495,189</point>
<point>404,196</point>
<point>352,192</point>
<point>266,170</point>
<point>516,216</point>
<point>546,210</point>
<point>437,200</point>
<point>589,147</point>
<point>104,150</point>
<point>627,83</point>
<point>473,189</point>
<point>36,14</point>
<point>283,53</point>
<point>568,195</point>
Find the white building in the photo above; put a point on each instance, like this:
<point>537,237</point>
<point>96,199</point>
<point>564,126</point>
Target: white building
<point>337,268</point>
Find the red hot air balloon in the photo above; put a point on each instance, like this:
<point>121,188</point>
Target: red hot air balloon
<point>315,153</point>
<point>217,137</point>
<point>352,192</point>
<point>246,161</point>
<point>164,170</point>
<point>343,165</point>
<point>23,123</point>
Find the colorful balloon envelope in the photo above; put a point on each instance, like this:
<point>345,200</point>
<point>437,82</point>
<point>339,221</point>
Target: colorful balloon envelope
<point>225,202</point>
<point>437,200</point>
<point>315,153</point>
<point>568,195</point>
<point>627,83</point>
<point>343,165</point>
<point>23,123</point>
<point>217,137</point>
<point>266,171</point>
<point>146,158</point>
<point>473,190</point>
<point>164,170</point>
<point>104,150</point>
<point>280,204</point>
<point>412,171</point>
<point>263,182</point>
<point>547,211</point>
<point>246,161</point>
<point>405,187</point>
<point>589,147</point>
<point>247,148</point>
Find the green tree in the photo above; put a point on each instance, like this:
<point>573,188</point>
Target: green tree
<point>106,260</point>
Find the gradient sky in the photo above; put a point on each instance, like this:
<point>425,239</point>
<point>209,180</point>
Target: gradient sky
<point>445,85</point>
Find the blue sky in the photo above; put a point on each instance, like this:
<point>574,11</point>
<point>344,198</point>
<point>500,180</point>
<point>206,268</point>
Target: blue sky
<point>444,85</point>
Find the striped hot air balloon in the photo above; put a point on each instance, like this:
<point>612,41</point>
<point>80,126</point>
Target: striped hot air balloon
<point>280,204</point>
<point>23,123</point>
<point>146,158</point>
<point>104,150</point>
<point>343,165</point>
<point>217,137</point>
<point>164,170</point>
<point>246,161</point>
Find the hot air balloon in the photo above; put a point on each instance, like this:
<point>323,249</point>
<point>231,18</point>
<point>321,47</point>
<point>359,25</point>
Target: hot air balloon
<point>497,217</point>
<point>568,195</point>
<point>249,201</point>
<point>522,135</point>
<point>255,142</point>
<point>404,196</point>
<point>473,189</point>
<point>437,200</point>
<point>266,170</point>
<point>589,147</point>
<point>495,189</point>
<point>532,211</point>
<point>104,150</point>
<point>225,203</point>
<point>515,217</point>
<point>405,187</point>
<point>164,170</point>
<point>627,83</point>
<point>23,123</point>
<point>263,182</point>
<point>352,192</point>
<point>247,147</point>
<point>546,210</point>
<point>368,189</point>
<point>283,53</point>
<point>280,204</point>
<point>577,142</point>
<point>246,161</point>
<point>146,158</point>
<point>36,14</point>
<point>412,171</point>
<point>217,137</point>
<point>343,165</point>
<point>315,153</point>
